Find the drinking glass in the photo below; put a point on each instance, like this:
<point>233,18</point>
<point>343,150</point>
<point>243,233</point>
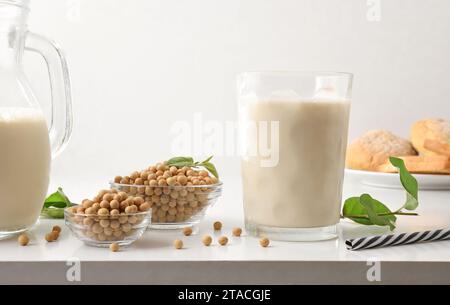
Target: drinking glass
<point>293,136</point>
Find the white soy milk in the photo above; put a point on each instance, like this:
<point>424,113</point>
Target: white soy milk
<point>304,189</point>
<point>24,166</point>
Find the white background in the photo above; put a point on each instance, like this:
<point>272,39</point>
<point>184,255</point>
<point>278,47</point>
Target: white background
<point>139,65</point>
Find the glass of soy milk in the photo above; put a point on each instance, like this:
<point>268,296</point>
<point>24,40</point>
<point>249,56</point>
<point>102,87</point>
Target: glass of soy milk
<point>293,133</point>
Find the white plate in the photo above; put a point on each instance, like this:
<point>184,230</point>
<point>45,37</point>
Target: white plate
<point>392,180</point>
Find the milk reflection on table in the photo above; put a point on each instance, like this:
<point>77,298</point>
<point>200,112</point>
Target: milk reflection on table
<point>304,189</point>
<point>24,166</point>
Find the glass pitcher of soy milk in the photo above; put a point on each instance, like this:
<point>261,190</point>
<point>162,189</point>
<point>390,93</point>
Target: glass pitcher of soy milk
<point>27,143</point>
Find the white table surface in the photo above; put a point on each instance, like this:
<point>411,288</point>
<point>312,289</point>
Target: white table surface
<point>156,246</point>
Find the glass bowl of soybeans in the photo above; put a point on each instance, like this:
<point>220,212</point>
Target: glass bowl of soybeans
<point>102,228</point>
<point>175,206</point>
<point>178,196</point>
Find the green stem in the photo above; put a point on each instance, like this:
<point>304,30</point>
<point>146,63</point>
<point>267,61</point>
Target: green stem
<point>355,216</point>
<point>405,213</point>
<point>381,214</point>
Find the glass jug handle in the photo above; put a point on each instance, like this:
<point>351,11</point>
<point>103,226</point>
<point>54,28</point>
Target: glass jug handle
<point>61,119</point>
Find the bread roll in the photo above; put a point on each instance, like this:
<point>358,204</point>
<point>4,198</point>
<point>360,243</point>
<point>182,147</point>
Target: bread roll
<point>421,165</point>
<point>373,149</point>
<point>431,137</point>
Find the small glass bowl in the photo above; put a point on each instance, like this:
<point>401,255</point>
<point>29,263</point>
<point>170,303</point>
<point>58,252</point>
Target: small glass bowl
<point>174,207</point>
<point>101,231</point>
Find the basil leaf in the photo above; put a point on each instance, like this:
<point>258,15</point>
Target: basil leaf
<point>211,168</point>
<point>409,183</point>
<point>354,210</point>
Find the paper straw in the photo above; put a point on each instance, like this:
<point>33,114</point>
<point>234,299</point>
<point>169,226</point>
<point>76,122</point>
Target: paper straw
<point>390,240</point>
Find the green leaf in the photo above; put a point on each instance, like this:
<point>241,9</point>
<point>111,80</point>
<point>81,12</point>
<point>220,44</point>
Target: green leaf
<point>370,204</point>
<point>208,159</point>
<point>352,207</point>
<point>55,204</point>
<point>409,183</point>
<point>354,210</point>
<point>181,164</point>
<point>211,168</point>
<point>189,161</point>
<point>53,212</point>
<point>180,160</point>
<point>57,199</point>
<point>369,211</point>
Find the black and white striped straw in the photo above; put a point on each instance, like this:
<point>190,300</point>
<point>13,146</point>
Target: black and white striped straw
<point>390,240</point>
